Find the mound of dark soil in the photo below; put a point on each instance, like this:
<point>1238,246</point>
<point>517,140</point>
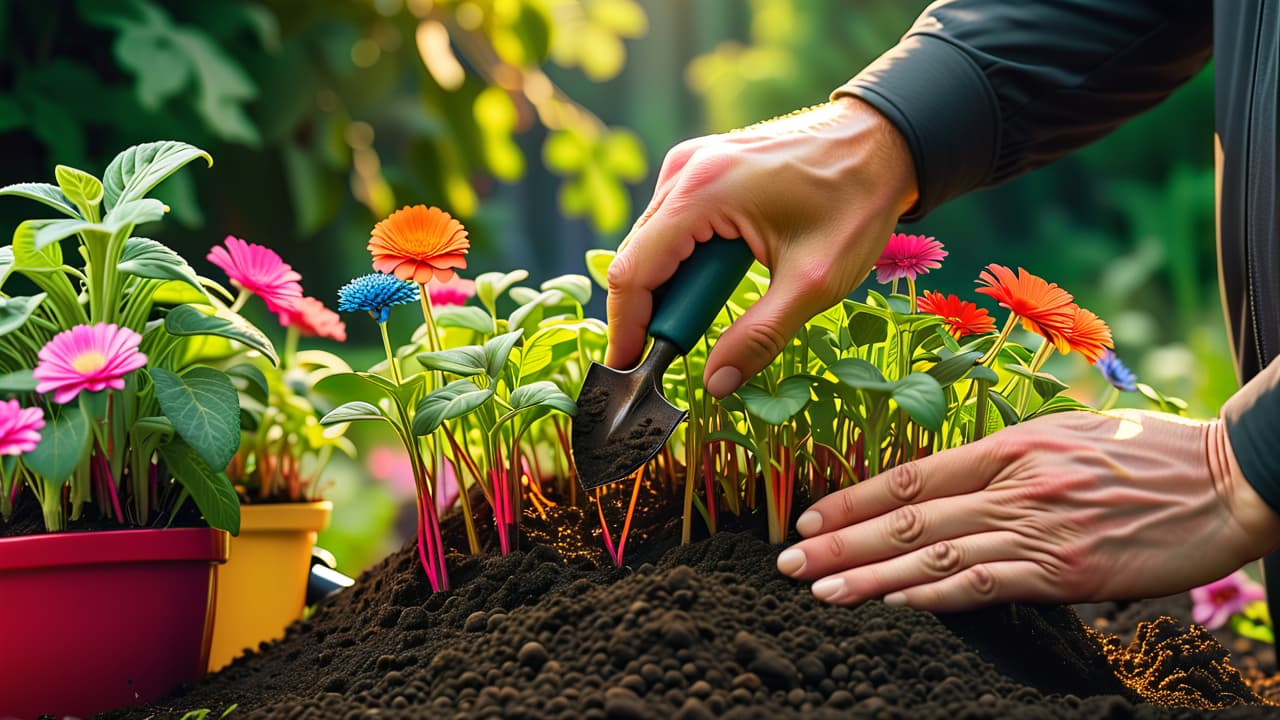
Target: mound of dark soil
<point>700,631</point>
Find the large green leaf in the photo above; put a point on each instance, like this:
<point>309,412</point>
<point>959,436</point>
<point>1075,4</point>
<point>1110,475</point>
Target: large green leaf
<point>50,195</point>
<point>51,231</point>
<point>577,287</point>
<point>14,311</point>
<point>353,411</point>
<point>466,361</point>
<point>498,349</point>
<point>25,255</point>
<point>188,320</point>
<point>204,408</point>
<point>81,188</point>
<point>133,173</point>
<point>542,394</point>
<point>951,369</point>
<point>1007,413</point>
<point>491,285</point>
<point>147,258</point>
<point>451,401</point>
<point>212,491</point>
<point>777,408</point>
<point>132,213</point>
<point>542,349</point>
<point>860,375</point>
<point>464,316</point>
<point>63,444</point>
<point>867,328</point>
<point>922,398</point>
<point>18,381</point>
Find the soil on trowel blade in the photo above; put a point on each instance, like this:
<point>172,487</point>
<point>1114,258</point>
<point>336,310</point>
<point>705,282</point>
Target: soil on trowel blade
<point>700,631</point>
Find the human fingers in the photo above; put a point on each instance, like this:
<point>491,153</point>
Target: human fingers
<point>796,293</point>
<point>926,565</point>
<point>668,177</point>
<point>982,585</point>
<point>965,469</point>
<point>895,534</point>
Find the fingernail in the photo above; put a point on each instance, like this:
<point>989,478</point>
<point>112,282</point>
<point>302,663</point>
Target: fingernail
<point>895,599</point>
<point>790,561</point>
<point>724,381</point>
<point>828,588</point>
<point>809,523</point>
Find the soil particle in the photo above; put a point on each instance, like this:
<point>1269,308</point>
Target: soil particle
<point>705,630</point>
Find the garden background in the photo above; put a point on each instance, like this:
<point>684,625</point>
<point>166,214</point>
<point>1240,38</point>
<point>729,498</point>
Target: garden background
<point>541,124</point>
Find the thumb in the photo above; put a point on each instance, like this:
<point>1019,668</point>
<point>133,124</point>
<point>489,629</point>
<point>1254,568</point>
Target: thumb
<point>753,340</point>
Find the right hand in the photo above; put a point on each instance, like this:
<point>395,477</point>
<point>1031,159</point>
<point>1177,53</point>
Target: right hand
<point>815,195</point>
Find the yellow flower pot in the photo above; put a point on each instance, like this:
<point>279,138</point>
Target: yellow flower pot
<point>263,585</point>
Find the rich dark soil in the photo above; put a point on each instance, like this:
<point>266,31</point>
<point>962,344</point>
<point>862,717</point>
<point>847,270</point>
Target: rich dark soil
<point>28,520</point>
<point>705,630</point>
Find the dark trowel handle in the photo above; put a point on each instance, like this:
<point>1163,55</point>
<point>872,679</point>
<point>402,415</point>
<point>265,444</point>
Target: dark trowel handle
<point>692,298</point>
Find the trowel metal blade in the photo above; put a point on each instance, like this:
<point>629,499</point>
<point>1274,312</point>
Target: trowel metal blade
<point>623,420</point>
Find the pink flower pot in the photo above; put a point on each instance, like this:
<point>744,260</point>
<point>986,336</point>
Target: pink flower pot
<point>99,620</point>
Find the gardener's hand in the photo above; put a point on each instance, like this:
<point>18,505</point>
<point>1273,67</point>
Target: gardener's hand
<point>815,195</point>
<point>1067,508</point>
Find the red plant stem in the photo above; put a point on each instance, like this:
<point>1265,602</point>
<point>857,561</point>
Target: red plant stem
<point>631,511</point>
<point>109,485</point>
<point>604,529</point>
<point>423,551</point>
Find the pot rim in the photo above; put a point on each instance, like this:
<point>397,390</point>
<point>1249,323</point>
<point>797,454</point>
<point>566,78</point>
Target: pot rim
<point>268,517</point>
<point>104,547</point>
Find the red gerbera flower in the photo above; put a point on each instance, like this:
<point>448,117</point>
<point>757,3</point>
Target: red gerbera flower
<point>960,316</point>
<point>1088,335</point>
<point>908,256</point>
<point>419,243</point>
<point>1045,308</point>
<point>315,320</point>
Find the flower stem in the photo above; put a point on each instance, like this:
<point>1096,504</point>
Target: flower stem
<point>241,299</point>
<point>433,339</point>
<point>391,356</point>
<point>911,291</point>
<point>290,347</point>
<point>1004,335</point>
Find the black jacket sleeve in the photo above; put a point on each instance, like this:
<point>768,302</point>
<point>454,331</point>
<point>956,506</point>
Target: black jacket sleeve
<point>1252,417</point>
<point>984,90</point>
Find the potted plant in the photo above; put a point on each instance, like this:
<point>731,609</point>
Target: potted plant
<point>117,417</point>
<point>277,472</point>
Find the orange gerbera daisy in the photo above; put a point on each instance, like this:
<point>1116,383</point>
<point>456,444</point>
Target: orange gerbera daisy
<point>419,243</point>
<point>960,316</point>
<point>1045,308</point>
<point>1088,335</point>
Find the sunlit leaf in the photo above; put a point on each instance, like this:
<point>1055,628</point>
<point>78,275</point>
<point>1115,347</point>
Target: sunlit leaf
<point>63,443</point>
<point>451,401</point>
<point>1007,413</point>
<point>464,316</point>
<point>491,285</point>
<point>147,258</point>
<point>134,172</point>
<point>187,320</point>
<point>45,193</point>
<point>465,361</point>
<point>776,408</point>
<point>14,311</point>
<point>210,489</point>
<point>352,412</point>
<point>955,367</point>
<point>78,186</point>
<point>577,287</point>
<point>204,408</point>
<point>920,395</point>
<point>544,394</point>
<point>498,350</point>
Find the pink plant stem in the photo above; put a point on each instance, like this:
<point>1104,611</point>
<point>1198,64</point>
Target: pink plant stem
<point>424,550</point>
<point>604,529</point>
<point>631,511</point>
<point>13,493</point>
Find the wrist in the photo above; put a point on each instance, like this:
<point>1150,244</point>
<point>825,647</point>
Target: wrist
<point>891,158</point>
<point>1260,523</point>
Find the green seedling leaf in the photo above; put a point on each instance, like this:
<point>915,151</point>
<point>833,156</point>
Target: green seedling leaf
<point>134,172</point>
<point>867,328</point>
<point>1058,404</point>
<point>51,231</point>
<point>822,345</point>
<point>465,361</point>
<point>189,320</point>
<point>491,285</point>
<point>465,316</point>
<point>577,287</point>
<point>955,367</point>
<point>544,394</point>
<point>204,407</point>
<point>212,491</point>
<point>777,408</point>
<point>451,401</point>
<point>134,212</point>
<point>63,444</point>
<point>498,350</point>
<point>45,193</point>
<point>1007,413</point>
<point>1045,385</point>
<point>14,311</point>
<point>859,374</point>
<point>540,351</point>
<point>920,395</point>
<point>823,414</point>
<point>530,314</point>
<point>25,256</point>
<point>352,412</point>
<point>82,189</point>
<point>256,385</point>
<point>948,341</point>
<point>18,381</point>
<point>147,258</point>
<point>598,266</point>
<point>982,373</point>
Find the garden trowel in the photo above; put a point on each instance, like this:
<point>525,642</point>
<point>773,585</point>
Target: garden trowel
<point>623,418</point>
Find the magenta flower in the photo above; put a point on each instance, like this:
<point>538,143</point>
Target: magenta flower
<point>19,428</point>
<point>87,357</point>
<point>908,256</point>
<point>1216,602</point>
<point>259,270</point>
<point>454,292</point>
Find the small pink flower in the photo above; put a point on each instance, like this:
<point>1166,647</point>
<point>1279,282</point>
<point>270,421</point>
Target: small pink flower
<point>1216,602</point>
<point>454,292</point>
<point>908,256</point>
<point>260,271</point>
<point>19,428</point>
<point>87,357</point>
<point>315,320</point>
<point>392,466</point>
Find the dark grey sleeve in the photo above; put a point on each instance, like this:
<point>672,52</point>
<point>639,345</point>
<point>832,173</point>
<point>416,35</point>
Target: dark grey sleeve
<point>984,90</point>
<point>1252,417</point>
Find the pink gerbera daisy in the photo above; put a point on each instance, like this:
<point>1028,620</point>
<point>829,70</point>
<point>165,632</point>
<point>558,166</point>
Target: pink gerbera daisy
<point>313,319</point>
<point>260,271</point>
<point>19,428</point>
<point>87,357</point>
<point>454,292</point>
<point>1215,603</point>
<point>908,256</point>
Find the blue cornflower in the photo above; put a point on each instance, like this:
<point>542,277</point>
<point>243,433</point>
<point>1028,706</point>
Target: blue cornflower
<point>376,293</point>
<point>1120,377</point>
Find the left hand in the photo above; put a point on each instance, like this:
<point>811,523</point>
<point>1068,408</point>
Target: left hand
<point>1073,507</point>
